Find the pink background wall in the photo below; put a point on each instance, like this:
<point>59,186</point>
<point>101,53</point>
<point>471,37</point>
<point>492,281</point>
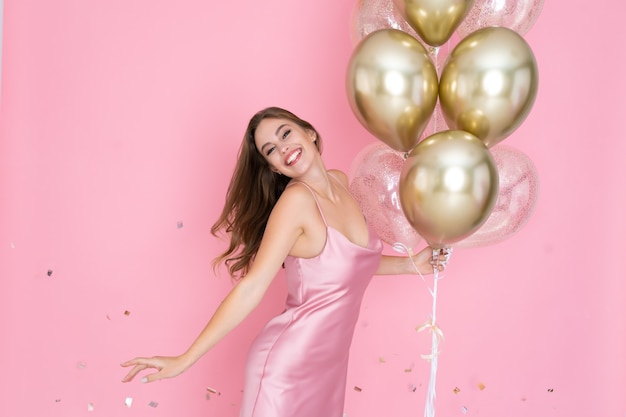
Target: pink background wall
<point>121,118</point>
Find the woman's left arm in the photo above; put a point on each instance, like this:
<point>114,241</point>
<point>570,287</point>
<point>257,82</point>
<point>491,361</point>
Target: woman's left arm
<point>403,265</point>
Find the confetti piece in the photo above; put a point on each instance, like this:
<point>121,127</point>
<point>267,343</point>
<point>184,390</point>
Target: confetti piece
<point>49,272</point>
<point>153,404</point>
<point>464,410</point>
<point>90,407</point>
<point>412,387</point>
<point>381,360</point>
<point>481,386</point>
<point>358,389</point>
<point>81,365</point>
<point>128,401</point>
<point>211,391</point>
<point>407,370</point>
<point>108,318</point>
<point>12,245</point>
<point>550,389</point>
<point>456,390</point>
<point>179,225</point>
<point>127,313</point>
<point>523,398</point>
<point>58,400</point>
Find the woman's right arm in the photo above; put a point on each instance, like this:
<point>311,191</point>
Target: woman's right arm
<point>241,300</point>
<point>283,229</point>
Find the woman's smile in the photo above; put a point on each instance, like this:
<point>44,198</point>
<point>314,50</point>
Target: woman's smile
<point>293,157</point>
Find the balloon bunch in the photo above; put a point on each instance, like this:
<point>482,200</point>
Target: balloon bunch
<point>444,123</point>
<point>439,172</point>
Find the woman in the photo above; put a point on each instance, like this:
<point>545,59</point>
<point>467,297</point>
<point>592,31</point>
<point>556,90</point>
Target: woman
<point>283,208</point>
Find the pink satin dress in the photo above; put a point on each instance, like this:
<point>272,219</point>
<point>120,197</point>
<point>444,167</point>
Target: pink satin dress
<point>297,366</point>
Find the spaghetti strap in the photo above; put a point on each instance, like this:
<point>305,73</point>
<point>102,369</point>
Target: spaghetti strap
<point>319,208</point>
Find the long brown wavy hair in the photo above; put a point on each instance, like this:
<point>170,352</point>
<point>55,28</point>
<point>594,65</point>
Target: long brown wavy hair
<point>252,193</point>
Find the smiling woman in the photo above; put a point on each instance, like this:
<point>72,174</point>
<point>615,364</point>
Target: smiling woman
<point>283,207</point>
<point>122,118</point>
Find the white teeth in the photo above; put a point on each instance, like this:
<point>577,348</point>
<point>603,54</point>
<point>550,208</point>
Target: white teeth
<point>292,157</point>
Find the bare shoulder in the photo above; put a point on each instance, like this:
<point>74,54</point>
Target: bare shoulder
<point>340,175</point>
<point>295,200</point>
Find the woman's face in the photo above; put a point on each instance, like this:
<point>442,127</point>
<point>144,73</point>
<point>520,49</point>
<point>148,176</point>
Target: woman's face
<point>287,147</point>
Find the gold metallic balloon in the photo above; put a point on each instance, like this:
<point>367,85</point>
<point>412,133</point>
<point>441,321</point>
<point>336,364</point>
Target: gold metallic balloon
<point>434,20</point>
<point>489,84</point>
<point>392,87</point>
<point>448,186</point>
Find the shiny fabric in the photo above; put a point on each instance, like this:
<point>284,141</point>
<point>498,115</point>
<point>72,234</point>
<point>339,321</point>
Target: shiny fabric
<point>297,366</point>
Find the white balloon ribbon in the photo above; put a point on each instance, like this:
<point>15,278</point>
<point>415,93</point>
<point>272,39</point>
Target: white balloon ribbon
<point>431,324</point>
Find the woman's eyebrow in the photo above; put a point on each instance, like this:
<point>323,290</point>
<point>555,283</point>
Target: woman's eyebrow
<point>279,127</point>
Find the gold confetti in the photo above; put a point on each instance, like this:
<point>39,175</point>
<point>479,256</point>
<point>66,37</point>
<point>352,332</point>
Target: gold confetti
<point>358,389</point>
<point>456,390</point>
<point>212,390</point>
<point>127,313</point>
<point>481,386</point>
<point>381,360</point>
<point>407,370</point>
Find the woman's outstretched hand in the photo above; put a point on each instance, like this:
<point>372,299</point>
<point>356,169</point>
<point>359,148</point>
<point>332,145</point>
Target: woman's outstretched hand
<point>166,366</point>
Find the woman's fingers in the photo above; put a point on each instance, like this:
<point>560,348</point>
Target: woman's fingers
<point>138,365</point>
<point>133,373</point>
<point>440,260</point>
<point>155,376</point>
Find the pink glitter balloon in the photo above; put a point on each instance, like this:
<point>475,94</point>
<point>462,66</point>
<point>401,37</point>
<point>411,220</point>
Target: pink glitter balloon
<point>517,15</point>
<point>516,200</point>
<point>371,15</point>
<point>375,175</point>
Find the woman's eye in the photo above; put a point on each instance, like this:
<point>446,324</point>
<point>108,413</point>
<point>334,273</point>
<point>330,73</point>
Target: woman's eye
<point>270,150</point>
<point>286,133</point>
